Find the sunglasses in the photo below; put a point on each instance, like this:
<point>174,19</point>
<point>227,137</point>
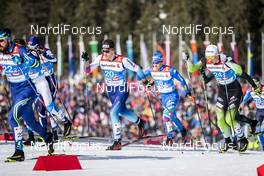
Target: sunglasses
<point>105,51</point>
<point>211,57</point>
<point>1,40</point>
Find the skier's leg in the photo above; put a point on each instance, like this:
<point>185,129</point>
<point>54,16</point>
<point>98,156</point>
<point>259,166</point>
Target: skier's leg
<point>170,103</point>
<point>233,103</point>
<point>116,123</point>
<point>129,114</point>
<point>31,139</point>
<point>42,87</point>
<point>42,114</point>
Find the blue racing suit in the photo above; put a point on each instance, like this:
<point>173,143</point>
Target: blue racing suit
<point>115,78</point>
<point>164,81</point>
<point>47,60</point>
<point>259,100</point>
<point>22,93</point>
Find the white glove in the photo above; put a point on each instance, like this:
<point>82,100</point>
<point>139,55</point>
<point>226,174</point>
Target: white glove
<point>223,57</point>
<point>185,56</point>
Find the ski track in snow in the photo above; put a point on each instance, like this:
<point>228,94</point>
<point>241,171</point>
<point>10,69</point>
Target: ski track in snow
<point>137,159</point>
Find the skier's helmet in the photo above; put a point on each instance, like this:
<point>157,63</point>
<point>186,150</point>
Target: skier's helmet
<point>211,52</point>
<point>107,45</point>
<point>157,57</point>
<point>5,34</point>
<point>33,42</point>
<point>5,38</point>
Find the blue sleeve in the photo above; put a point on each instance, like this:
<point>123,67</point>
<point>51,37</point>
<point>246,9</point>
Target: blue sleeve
<point>29,59</point>
<point>145,74</point>
<point>49,55</point>
<point>176,75</point>
<point>140,74</point>
<point>246,97</point>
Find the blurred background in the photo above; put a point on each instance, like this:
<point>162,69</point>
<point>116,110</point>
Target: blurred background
<point>136,28</point>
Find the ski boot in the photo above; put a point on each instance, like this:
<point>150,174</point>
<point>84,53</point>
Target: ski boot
<point>168,142</point>
<point>242,144</point>
<point>141,128</point>
<point>49,143</point>
<point>116,145</point>
<point>55,134</point>
<point>184,135</point>
<point>227,145</point>
<point>67,129</point>
<point>253,125</point>
<point>30,140</point>
<point>17,156</point>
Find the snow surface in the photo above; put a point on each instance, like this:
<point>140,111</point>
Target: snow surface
<point>136,159</point>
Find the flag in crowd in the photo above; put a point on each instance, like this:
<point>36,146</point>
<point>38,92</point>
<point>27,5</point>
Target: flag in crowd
<point>71,57</point>
<point>81,50</point>
<point>206,41</point>
<point>94,50</point>
<point>145,58</point>
<point>59,58</point>
<point>129,45</point>
<point>46,41</point>
<point>234,48</point>
<point>220,44</point>
<point>143,52</point>
<point>118,46</point>
<point>168,51</point>
<point>262,48</point>
<point>194,49</point>
<point>249,56</point>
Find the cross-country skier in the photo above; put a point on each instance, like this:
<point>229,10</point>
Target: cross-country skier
<point>259,100</point>
<point>114,68</point>
<point>226,72</point>
<point>21,91</point>
<point>163,77</point>
<point>47,61</point>
<point>42,87</point>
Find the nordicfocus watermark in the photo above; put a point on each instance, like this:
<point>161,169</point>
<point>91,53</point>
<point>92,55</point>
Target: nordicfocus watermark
<point>197,28</point>
<point>69,146</point>
<point>97,146</point>
<point>192,146</point>
<point>126,87</point>
<point>62,29</point>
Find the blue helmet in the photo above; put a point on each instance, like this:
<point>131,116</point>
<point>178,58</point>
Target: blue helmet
<point>33,42</point>
<point>5,34</point>
<point>157,57</point>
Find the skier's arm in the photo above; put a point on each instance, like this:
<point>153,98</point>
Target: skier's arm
<point>92,66</point>
<point>27,57</point>
<point>241,73</point>
<point>147,80</point>
<point>147,73</point>
<point>190,66</point>
<point>246,97</point>
<point>49,56</point>
<point>194,67</point>
<point>207,77</point>
<point>133,67</point>
<point>176,75</point>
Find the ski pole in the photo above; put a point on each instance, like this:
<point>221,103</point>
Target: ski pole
<point>207,109</point>
<point>152,112</point>
<point>197,112</point>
